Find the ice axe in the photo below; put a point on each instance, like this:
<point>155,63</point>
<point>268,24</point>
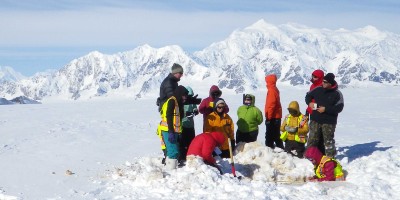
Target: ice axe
<point>231,155</point>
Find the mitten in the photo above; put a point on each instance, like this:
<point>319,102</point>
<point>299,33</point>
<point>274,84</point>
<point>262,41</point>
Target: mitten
<point>195,111</point>
<point>171,137</point>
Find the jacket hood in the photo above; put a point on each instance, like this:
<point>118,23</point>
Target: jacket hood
<point>270,80</point>
<point>320,75</point>
<point>294,105</point>
<point>213,89</point>
<point>218,101</point>
<point>313,153</point>
<point>218,137</point>
<point>190,90</point>
<point>253,98</point>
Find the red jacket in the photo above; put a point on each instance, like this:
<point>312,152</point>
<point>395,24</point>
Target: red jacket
<point>204,144</point>
<point>320,75</point>
<point>273,108</point>
<point>205,107</point>
<point>329,167</point>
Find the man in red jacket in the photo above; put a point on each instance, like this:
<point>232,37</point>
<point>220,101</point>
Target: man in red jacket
<point>203,146</point>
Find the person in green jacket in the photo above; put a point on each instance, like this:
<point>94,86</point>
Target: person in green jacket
<point>188,130</point>
<point>249,117</point>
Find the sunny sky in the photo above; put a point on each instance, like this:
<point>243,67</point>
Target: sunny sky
<point>36,35</point>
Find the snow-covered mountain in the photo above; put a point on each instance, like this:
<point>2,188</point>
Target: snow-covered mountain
<point>238,63</point>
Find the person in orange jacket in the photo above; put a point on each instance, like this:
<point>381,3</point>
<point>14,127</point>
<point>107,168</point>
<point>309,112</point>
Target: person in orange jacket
<point>219,121</point>
<point>273,113</point>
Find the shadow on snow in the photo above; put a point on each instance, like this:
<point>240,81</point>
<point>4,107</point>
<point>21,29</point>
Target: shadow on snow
<point>360,150</point>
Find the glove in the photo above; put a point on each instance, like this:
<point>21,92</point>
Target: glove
<point>267,122</point>
<point>189,114</point>
<point>195,111</point>
<point>172,137</point>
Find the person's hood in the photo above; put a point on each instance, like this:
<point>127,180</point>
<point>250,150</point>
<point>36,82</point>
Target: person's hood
<point>190,90</point>
<point>320,75</point>
<point>295,106</point>
<point>313,153</point>
<point>218,137</point>
<point>270,80</point>
<point>213,89</point>
<point>253,98</point>
<point>179,92</point>
<point>218,101</point>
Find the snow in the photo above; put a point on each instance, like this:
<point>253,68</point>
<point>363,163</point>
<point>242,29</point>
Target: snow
<point>111,149</point>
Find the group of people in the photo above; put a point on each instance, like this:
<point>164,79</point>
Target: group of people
<point>315,128</point>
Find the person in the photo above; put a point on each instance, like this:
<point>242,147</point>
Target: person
<point>171,126</point>
<point>220,121</point>
<point>188,130</point>
<point>328,103</point>
<point>207,105</point>
<point>169,84</point>
<point>294,130</point>
<point>273,113</point>
<point>325,168</point>
<point>203,145</point>
<point>316,79</point>
<point>249,117</point>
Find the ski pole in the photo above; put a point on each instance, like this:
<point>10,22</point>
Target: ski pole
<point>231,155</point>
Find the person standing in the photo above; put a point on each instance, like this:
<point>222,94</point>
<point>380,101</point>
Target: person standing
<point>203,145</point>
<point>294,130</point>
<point>171,125</point>
<point>273,113</point>
<point>249,117</point>
<point>316,79</point>
<point>219,121</point>
<point>207,105</point>
<point>328,103</point>
<point>188,131</point>
<point>169,84</point>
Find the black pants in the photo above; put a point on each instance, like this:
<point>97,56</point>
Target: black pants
<point>246,136</point>
<point>184,141</point>
<point>272,134</point>
<point>297,147</point>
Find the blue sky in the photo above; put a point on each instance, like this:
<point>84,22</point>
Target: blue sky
<point>36,35</point>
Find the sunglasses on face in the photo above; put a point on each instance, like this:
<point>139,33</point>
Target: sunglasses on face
<point>220,107</point>
<point>326,82</point>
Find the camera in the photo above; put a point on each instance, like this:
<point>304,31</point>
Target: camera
<point>193,100</point>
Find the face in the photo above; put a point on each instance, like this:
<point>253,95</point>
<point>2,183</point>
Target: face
<point>247,101</point>
<point>325,84</point>
<point>178,75</point>
<point>312,161</point>
<point>216,94</point>
<point>184,97</point>
<point>220,107</point>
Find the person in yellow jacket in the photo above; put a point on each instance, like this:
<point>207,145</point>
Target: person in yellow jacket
<point>219,121</point>
<point>171,125</point>
<point>294,130</point>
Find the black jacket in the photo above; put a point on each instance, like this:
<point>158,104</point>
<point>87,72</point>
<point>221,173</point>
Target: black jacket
<point>331,99</point>
<point>167,88</point>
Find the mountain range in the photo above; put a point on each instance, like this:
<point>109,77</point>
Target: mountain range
<point>239,63</point>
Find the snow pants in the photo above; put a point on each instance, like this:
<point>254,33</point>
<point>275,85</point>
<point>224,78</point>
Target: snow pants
<point>172,148</point>
<point>328,133</point>
<point>247,136</point>
<point>273,133</point>
<point>297,147</point>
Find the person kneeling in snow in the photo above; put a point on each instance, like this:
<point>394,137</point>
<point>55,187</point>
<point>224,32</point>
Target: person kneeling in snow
<point>326,168</point>
<point>203,146</point>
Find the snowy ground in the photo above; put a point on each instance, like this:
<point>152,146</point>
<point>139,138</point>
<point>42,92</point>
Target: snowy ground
<point>111,149</point>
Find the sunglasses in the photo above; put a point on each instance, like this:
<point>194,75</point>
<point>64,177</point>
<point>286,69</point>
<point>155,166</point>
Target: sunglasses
<point>326,82</point>
<point>220,107</point>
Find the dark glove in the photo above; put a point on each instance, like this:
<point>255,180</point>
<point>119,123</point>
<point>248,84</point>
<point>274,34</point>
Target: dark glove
<point>172,137</point>
<point>189,114</point>
<point>195,111</point>
<point>267,122</point>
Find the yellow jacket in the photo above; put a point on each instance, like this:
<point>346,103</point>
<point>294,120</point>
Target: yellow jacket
<point>224,124</point>
<point>300,121</point>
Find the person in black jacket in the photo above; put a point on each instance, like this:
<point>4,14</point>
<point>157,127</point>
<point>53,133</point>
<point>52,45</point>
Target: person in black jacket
<point>169,84</point>
<point>327,106</point>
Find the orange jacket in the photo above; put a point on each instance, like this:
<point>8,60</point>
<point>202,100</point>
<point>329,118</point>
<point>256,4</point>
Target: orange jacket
<point>273,108</point>
<point>224,124</point>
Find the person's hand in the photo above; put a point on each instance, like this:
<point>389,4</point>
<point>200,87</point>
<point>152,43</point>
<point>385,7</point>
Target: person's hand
<point>189,114</point>
<point>321,109</point>
<point>312,179</point>
<point>172,137</point>
<point>267,122</point>
<point>195,111</point>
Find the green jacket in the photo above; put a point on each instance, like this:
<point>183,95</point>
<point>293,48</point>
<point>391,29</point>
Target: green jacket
<point>188,122</point>
<point>249,116</point>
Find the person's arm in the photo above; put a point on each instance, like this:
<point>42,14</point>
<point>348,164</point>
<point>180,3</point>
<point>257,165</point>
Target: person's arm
<point>337,107</point>
<point>270,105</point>
<point>259,116</point>
<point>203,106</point>
<point>206,151</point>
<point>170,114</point>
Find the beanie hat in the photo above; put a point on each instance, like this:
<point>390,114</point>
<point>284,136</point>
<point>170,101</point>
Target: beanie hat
<point>330,78</point>
<point>176,68</point>
<point>218,101</point>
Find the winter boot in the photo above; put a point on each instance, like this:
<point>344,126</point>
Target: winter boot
<point>171,164</point>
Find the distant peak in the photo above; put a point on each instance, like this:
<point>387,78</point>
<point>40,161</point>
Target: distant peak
<point>262,24</point>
